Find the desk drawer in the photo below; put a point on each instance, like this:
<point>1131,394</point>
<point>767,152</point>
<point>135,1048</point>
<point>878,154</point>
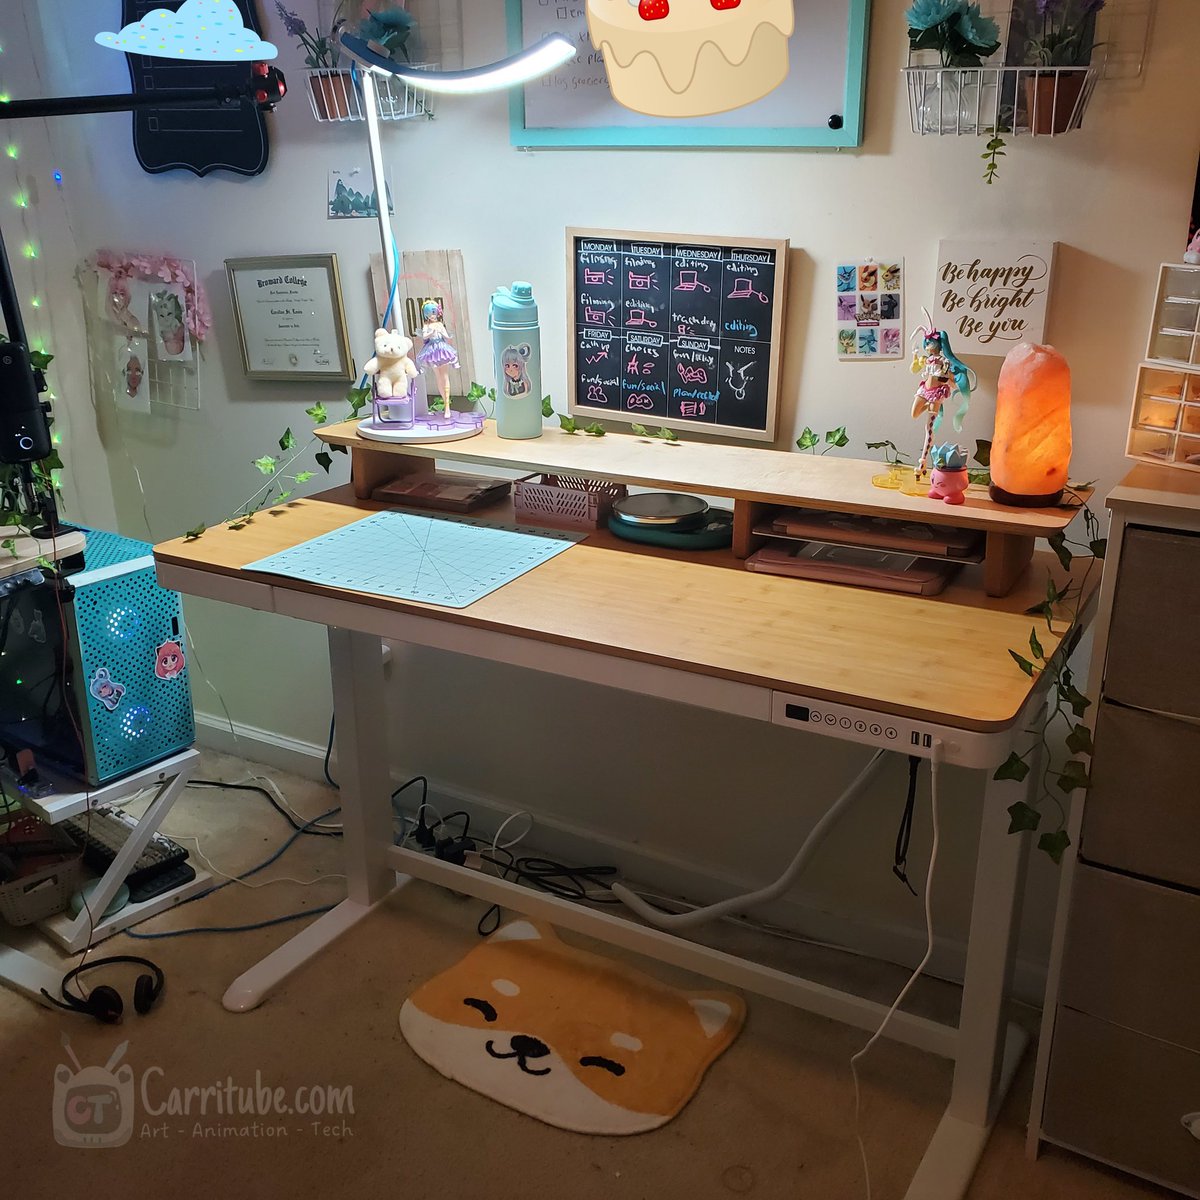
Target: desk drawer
<point>1120,1096</point>
<point>1143,810</point>
<point>1133,955</point>
<point>1154,642</point>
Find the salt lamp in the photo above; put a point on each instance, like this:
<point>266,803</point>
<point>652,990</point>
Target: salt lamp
<point>1031,448</point>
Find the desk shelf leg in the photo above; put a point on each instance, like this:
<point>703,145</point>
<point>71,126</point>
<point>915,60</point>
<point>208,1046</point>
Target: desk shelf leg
<point>1006,557</point>
<point>356,664</point>
<point>989,1048</point>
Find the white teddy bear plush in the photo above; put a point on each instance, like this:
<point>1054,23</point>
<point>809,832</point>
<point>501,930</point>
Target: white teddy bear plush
<point>391,366</point>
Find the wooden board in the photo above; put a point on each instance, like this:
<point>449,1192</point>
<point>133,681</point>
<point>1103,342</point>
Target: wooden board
<point>675,330</point>
<point>734,472</point>
<point>944,659</point>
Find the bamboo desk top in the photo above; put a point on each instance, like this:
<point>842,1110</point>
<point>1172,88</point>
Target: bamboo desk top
<point>944,659</point>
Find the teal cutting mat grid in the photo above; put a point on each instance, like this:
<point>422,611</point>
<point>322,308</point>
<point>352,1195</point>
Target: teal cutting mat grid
<point>448,561</point>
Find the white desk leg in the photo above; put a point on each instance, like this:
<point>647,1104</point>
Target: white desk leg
<point>356,664</point>
<point>28,975</point>
<point>989,1049</point>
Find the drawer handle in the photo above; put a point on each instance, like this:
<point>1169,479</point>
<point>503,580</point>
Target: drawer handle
<point>1191,1122</point>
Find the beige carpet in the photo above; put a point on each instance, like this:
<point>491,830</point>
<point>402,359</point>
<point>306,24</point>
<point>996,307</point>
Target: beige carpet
<point>772,1119</point>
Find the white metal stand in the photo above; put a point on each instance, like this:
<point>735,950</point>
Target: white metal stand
<point>74,934</point>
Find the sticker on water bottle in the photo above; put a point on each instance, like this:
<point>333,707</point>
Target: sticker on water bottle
<point>514,365</point>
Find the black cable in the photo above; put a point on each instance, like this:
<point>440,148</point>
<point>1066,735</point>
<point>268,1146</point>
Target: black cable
<point>904,833</point>
<point>329,752</point>
<point>568,883</point>
<point>262,791</point>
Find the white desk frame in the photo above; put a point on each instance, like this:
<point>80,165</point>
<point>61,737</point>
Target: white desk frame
<point>984,1047</point>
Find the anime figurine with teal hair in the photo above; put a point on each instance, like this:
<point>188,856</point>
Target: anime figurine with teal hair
<point>942,375</point>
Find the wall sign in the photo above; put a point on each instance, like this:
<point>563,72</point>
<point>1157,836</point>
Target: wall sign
<point>232,137</point>
<point>290,319</point>
<point>682,333</point>
<point>992,295</point>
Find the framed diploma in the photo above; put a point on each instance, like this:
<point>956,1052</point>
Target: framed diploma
<point>290,319</point>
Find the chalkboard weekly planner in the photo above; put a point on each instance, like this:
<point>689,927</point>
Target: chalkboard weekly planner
<point>679,333</point>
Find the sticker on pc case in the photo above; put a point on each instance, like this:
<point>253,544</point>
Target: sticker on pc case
<point>37,628</point>
<point>106,689</point>
<point>169,661</point>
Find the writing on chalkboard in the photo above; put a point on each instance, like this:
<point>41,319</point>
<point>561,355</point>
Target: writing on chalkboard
<point>677,333</point>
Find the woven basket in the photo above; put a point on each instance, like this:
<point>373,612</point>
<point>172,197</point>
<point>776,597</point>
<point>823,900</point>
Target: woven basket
<point>567,500</point>
<point>48,889</point>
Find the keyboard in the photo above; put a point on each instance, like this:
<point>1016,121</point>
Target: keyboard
<point>102,833</point>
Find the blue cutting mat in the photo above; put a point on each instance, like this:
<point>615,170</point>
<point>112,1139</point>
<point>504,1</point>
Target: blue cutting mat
<point>450,561</point>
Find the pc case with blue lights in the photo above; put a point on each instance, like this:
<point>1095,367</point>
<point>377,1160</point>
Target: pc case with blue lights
<point>93,676</point>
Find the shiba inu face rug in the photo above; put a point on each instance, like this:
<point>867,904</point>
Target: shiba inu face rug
<point>567,1036</point>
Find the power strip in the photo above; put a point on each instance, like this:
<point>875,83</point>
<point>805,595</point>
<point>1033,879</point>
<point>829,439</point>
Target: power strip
<point>964,747</point>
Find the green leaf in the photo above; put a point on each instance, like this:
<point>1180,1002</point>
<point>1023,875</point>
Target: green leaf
<point>437,404</point>
<point>668,435</point>
<point>807,440</point>
<point>1036,646</point>
<point>1014,767</point>
<point>567,424</point>
<point>1045,609</point>
<point>880,445</point>
<point>1054,844</point>
<point>45,563</point>
<point>476,392</point>
<point>1023,818</point>
<point>358,399</point>
<point>1058,543</point>
<point>595,429</point>
<point>1079,740</point>
<point>39,360</point>
<point>288,441</point>
<point>1074,776</point>
<point>237,524</point>
<point>1074,697</point>
<point>547,407</point>
<point>1023,663</point>
<point>983,452</point>
<point>1098,547</point>
<point>303,476</point>
<point>267,465</point>
<point>982,478</point>
<point>337,448</point>
<point>639,430</point>
<point>837,437</point>
<point>324,460</point>
<point>1053,595</point>
<point>190,536</point>
<point>318,413</point>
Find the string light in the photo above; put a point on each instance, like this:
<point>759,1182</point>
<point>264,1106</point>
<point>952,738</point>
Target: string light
<point>12,150</point>
<point>57,177</point>
<point>21,200</point>
<point>36,302</point>
<point>4,97</point>
<point>30,251</point>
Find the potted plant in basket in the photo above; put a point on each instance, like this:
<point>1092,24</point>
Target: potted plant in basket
<point>331,87</point>
<point>961,37</point>
<point>1058,34</point>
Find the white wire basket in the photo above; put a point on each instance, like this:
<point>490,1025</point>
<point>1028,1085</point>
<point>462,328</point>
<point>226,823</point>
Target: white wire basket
<point>335,95</point>
<point>958,101</point>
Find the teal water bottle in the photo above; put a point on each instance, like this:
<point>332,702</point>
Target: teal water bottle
<point>517,350</point>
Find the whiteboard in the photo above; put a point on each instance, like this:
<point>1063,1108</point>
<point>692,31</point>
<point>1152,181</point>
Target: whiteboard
<point>819,104</point>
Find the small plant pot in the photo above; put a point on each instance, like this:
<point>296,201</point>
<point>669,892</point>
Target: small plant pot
<point>948,485</point>
<point>332,94</point>
<point>1051,99</point>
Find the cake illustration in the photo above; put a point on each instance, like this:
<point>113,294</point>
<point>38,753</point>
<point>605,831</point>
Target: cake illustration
<point>691,58</point>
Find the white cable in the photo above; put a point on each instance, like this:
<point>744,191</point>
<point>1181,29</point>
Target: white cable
<point>934,763</point>
<point>821,830</point>
<point>188,837</point>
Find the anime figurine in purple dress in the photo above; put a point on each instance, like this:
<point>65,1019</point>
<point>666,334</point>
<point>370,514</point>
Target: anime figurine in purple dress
<point>437,353</point>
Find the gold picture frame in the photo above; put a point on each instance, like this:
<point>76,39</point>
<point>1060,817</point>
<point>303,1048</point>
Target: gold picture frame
<point>290,317</point>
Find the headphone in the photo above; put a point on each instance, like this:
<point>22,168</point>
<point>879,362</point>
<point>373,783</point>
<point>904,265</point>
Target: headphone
<point>104,1002</point>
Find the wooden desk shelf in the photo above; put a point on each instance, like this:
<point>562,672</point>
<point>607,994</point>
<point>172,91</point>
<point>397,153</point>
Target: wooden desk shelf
<point>757,481</point>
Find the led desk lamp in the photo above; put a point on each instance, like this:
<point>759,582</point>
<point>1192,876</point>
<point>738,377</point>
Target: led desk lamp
<point>538,60</point>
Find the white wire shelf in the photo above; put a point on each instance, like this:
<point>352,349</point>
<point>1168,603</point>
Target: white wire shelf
<point>968,101</point>
<point>335,95</point>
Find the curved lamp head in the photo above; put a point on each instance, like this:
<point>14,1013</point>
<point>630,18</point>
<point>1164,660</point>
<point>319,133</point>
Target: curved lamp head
<point>202,31</point>
<point>540,59</point>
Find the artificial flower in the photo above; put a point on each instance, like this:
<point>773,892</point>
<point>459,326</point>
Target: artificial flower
<point>294,24</point>
<point>979,30</point>
<point>925,14</point>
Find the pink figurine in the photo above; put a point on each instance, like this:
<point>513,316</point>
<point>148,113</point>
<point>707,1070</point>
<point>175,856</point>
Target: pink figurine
<point>437,353</point>
<point>950,479</point>
<point>1192,254</point>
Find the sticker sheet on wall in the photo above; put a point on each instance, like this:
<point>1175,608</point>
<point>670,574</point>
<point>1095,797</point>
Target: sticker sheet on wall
<point>870,309</point>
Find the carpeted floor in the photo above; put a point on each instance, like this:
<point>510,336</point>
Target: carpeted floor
<point>773,1118</point>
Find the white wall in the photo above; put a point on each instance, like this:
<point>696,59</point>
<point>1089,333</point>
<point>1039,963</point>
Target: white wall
<point>670,782</point>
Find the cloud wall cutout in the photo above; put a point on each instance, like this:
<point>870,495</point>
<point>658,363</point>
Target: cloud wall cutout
<point>202,30</point>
